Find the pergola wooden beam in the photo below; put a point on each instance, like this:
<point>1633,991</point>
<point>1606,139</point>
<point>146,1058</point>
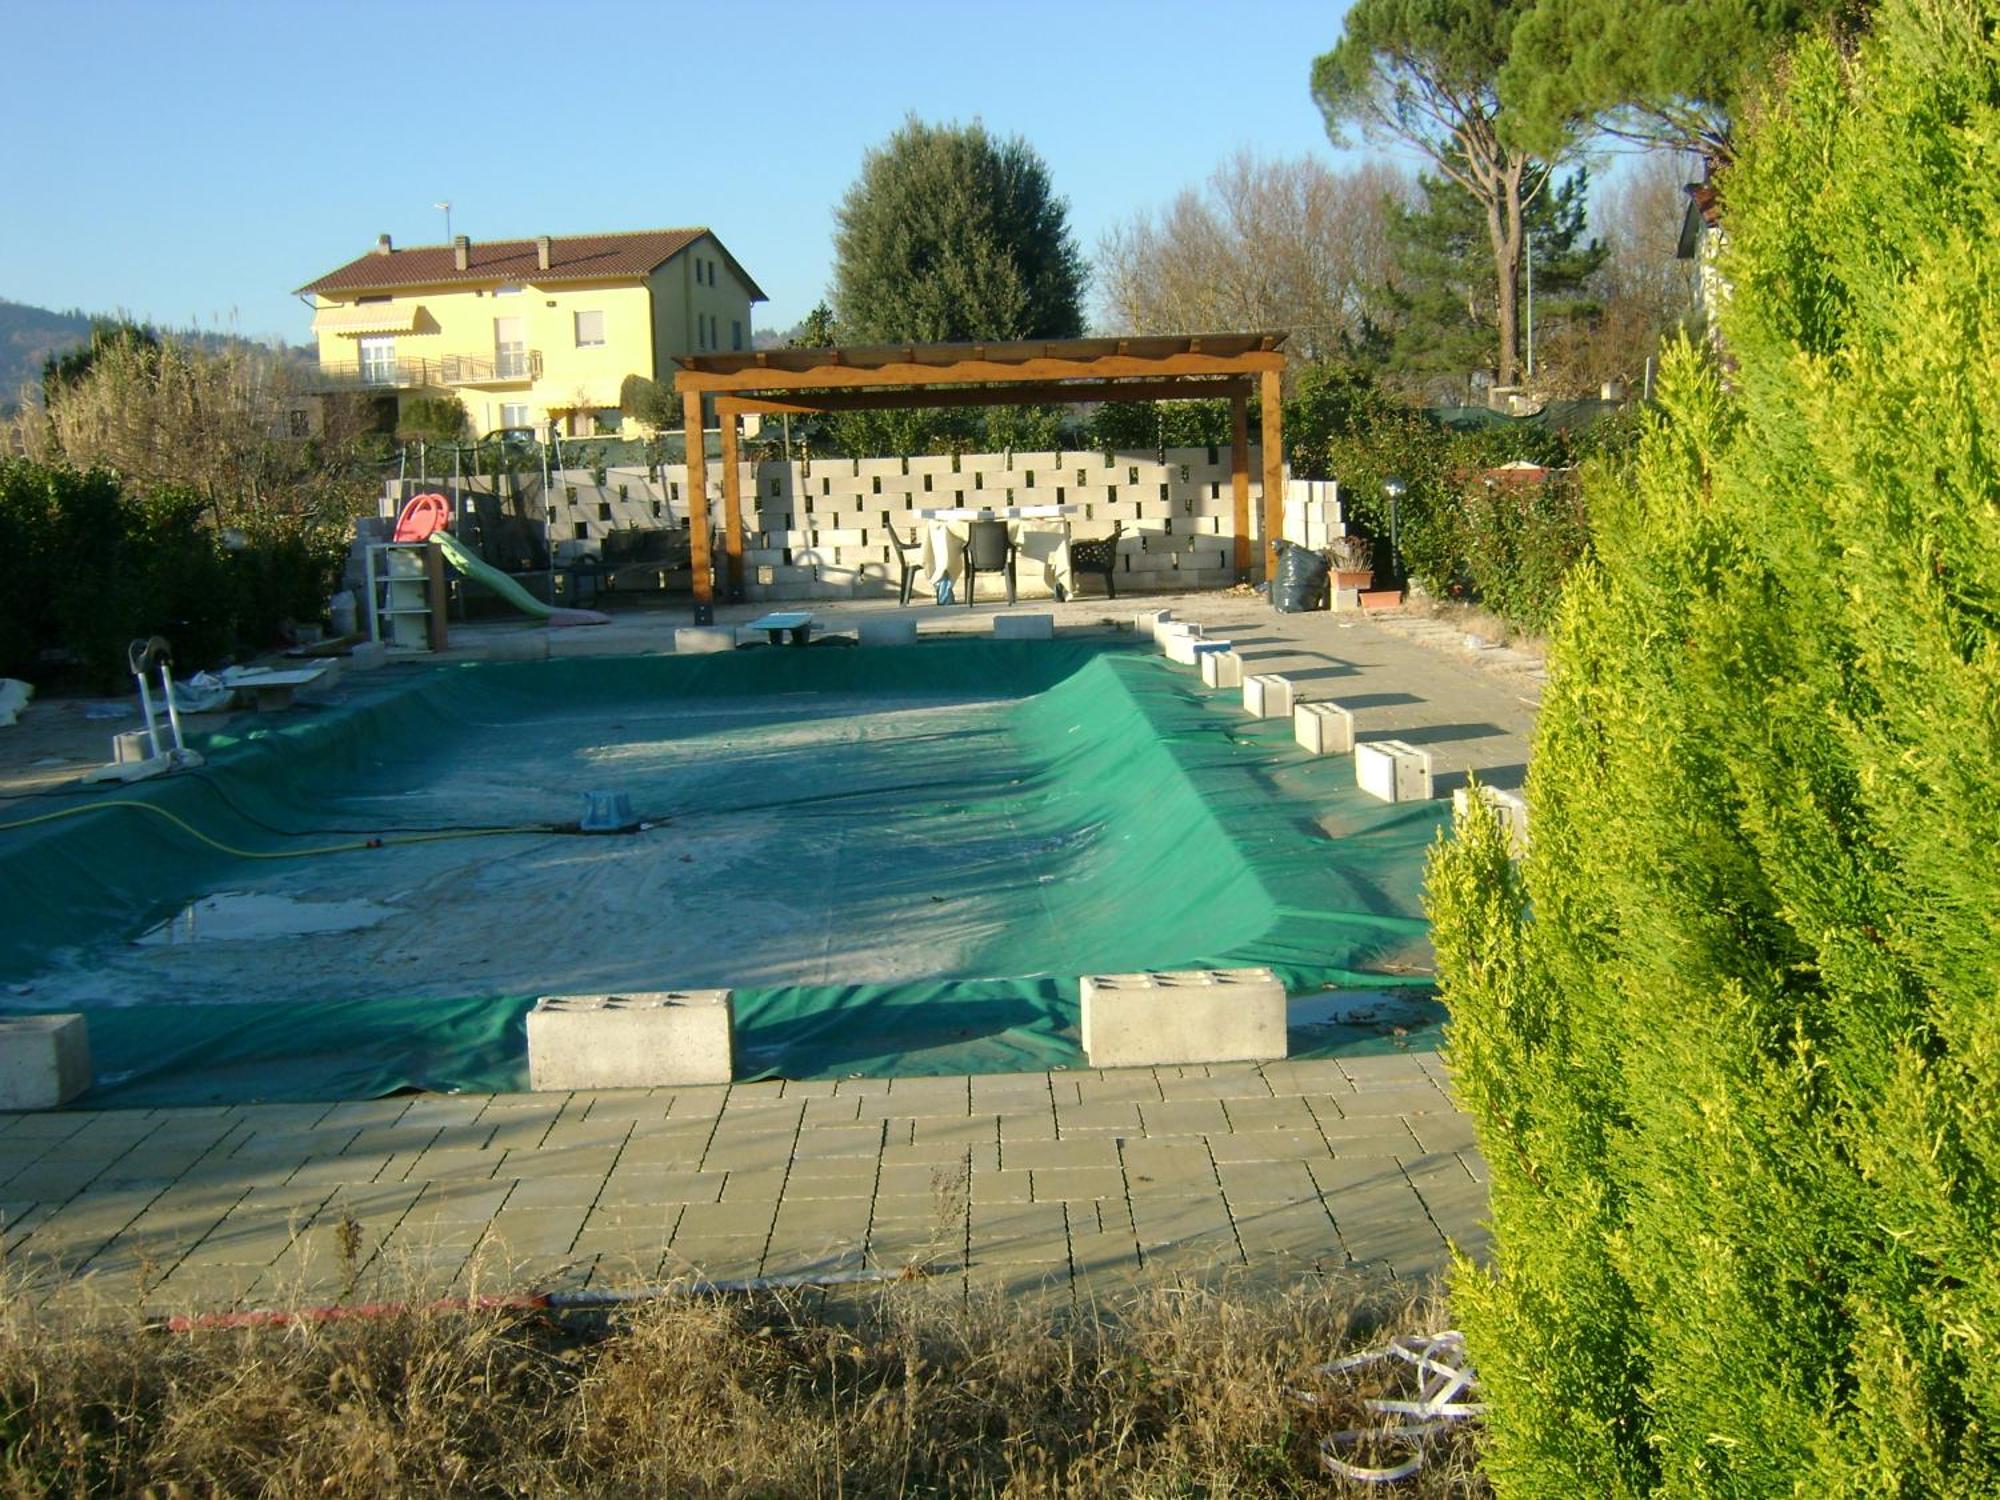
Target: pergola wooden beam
<point>972,371</point>
<point>811,403</point>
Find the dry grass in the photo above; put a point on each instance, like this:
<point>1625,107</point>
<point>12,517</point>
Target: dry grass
<point>905,1389</point>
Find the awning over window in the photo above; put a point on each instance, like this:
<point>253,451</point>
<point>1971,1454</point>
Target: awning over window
<point>370,317</point>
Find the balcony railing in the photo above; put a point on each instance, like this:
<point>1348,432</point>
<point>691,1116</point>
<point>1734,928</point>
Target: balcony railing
<point>440,371</point>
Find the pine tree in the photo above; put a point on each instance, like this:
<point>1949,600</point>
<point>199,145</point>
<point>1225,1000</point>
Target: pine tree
<point>1728,1030</point>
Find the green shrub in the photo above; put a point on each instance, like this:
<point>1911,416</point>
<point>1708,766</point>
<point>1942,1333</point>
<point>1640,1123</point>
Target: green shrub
<point>86,567</point>
<point>1729,1030</point>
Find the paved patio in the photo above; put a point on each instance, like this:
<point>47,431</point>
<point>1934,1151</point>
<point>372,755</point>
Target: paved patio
<point>1081,1182</point>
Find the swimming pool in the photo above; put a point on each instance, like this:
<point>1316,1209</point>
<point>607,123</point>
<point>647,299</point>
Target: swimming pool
<point>901,859</point>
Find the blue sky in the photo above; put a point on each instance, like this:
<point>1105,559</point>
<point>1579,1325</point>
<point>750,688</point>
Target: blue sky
<point>191,161</point>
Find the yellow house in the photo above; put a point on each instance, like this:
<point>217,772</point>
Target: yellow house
<point>530,332</point>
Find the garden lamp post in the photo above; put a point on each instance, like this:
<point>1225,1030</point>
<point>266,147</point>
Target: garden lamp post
<point>1395,489</point>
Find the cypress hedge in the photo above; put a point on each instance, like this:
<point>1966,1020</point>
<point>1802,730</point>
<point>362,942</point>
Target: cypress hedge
<point>1731,1027</point>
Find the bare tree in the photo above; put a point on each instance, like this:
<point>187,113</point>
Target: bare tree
<point>1262,244</point>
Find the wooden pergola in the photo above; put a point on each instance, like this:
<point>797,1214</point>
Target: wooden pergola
<point>1042,372</point>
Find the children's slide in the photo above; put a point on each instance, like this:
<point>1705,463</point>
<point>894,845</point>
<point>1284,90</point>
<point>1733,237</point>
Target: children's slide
<point>425,519</point>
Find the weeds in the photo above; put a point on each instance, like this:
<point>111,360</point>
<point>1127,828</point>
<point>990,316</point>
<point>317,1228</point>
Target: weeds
<point>908,1389</point>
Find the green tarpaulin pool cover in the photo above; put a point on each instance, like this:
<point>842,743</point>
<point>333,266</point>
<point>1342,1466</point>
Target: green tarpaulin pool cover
<point>964,827</point>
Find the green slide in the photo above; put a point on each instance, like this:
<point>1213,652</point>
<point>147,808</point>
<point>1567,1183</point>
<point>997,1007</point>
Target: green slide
<point>469,563</point>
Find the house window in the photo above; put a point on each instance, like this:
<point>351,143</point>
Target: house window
<point>589,330</point>
<point>514,414</point>
<point>506,289</point>
<point>735,334</point>
<point>510,348</point>
<point>378,361</point>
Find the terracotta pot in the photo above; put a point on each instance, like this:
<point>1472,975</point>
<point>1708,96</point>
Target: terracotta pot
<point>1353,578</point>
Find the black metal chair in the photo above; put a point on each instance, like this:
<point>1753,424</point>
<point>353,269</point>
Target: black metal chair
<point>909,555</point>
<point>1098,555</point>
<point>989,548</point>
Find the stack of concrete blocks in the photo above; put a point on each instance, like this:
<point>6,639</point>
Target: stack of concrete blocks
<point>1183,1017</point>
<point>652,1039</point>
<point>1393,771</point>
<point>824,530</point>
<point>1509,810</point>
<point>1152,624</point>
<point>44,1060</point>
<point>1179,641</point>
<point>1221,669</point>
<point>1268,695</point>
<point>1323,728</point>
<point>1312,513</point>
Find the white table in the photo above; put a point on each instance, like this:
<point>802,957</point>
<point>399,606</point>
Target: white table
<point>942,545</point>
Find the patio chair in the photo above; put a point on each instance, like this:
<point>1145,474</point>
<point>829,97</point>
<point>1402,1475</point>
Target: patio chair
<point>1099,555</point>
<point>909,556</point>
<point>989,548</point>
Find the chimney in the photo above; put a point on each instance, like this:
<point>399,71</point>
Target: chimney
<point>461,252</point>
<point>542,252</point>
<point>382,245</point>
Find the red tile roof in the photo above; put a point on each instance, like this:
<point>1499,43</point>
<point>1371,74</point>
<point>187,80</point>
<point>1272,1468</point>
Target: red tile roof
<point>581,257</point>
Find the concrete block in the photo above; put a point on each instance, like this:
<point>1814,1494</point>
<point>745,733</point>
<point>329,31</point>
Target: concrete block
<point>888,630</point>
<point>1324,728</point>
<point>1222,669</point>
<point>1267,695</point>
<point>1183,1016</point>
<point>1393,771</point>
<point>1024,627</point>
<point>1148,622</point>
<point>1509,809</point>
<point>691,640</point>
<point>365,656</point>
<point>652,1039</point>
<point>44,1060</point>
<point>1188,650</point>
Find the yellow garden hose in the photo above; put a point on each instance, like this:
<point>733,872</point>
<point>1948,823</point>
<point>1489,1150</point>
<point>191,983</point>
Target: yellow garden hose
<point>215,843</point>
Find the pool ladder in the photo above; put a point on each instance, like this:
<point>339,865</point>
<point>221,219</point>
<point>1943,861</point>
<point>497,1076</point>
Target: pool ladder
<point>151,652</point>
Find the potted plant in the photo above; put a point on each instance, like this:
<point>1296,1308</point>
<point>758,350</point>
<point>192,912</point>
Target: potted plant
<point>1353,562</point>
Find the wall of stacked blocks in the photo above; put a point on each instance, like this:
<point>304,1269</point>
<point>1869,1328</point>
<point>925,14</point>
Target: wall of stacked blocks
<point>825,528</point>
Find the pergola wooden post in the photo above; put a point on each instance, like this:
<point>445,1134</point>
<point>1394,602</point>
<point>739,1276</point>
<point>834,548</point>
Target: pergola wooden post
<point>1271,401</point>
<point>1239,479</point>
<point>891,377</point>
<point>700,553</point>
<point>732,508</point>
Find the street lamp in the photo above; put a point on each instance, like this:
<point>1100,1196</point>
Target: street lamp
<point>1395,489</point>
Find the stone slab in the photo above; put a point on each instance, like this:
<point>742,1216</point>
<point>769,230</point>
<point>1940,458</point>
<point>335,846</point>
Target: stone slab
<point>649,1039</point>
<point>690,640</point>
<point>1509,809</point>
<point>1183,1016</point>
<point>888,630</point>
<point>1034,627</point>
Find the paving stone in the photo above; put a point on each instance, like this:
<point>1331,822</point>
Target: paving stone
<point>695,1103</point>
<point>1243,1085</point>
<point>1094,1150</point>
<point>1002,1187</point>
<point>906,1242</point>
<point>1305,1230</point>
<point>1365,1104</point>
<point>930,1096</point>
<point>1442,1132</point>
<point>1120,1116</point>
<point>712,1257</point>
<point>710,1220</point>
<point>640,1186</point>
<point>1345,1174</point>
<point>1305,1076</point>
<point>745,1186</point>
<point>1264,1183</point>
<point>1113,1085</point>
<point>921,1180</point>
<point>761,1153</point>
<point>840,1141</point>
<point>1059,1184</point>
<point>959,1130</point>
<point>984,1155</point>
<point>835,1177</point>
<point>1268,1145</point>
<point>536,1231</point>
<point>1183,1117</point>
<point>1167,1162</point>
<point>1016,1232</point>
<point>809,1260</point>
<point>1289,1113</point>
<point>1173,1220</point>
<point>841,1109</point>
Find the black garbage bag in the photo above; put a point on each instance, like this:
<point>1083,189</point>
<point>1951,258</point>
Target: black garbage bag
<point>1301,581</point>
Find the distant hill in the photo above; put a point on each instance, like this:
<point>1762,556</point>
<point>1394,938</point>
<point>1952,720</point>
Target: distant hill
<point>29,335</point>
